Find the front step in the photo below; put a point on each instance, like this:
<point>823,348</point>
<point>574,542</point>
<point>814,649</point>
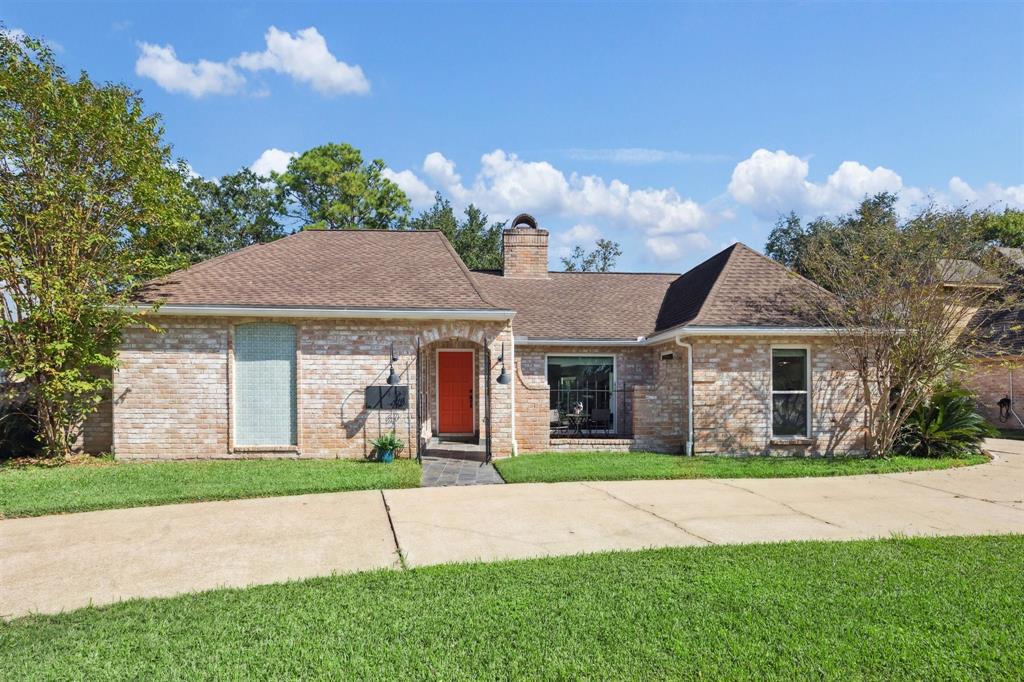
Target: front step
<point>449,449</point>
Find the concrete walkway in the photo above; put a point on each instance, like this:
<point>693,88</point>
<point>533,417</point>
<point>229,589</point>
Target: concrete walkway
<point>54,563</point>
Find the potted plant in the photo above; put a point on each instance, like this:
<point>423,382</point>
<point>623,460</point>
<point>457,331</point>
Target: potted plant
<point>388,446</point>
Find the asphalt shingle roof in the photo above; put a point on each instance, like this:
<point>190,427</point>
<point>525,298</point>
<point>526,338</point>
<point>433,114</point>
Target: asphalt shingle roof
<point>335,269</point>
<point>420,270</point>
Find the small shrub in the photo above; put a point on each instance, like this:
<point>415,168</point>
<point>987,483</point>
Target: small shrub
<point>945,425</point>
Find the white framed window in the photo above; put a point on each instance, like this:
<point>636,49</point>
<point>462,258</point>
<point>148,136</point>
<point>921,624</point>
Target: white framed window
<point>791,390</point>
<point>264,391</point>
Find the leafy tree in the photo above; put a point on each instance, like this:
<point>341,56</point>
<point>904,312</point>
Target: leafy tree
<point>329,187</point>
<point>601,259</point>
<point>90,206</point>
<point>238,210</point>
<point>1004,229</point>
<point>478,243</point>
<point>890,300</point>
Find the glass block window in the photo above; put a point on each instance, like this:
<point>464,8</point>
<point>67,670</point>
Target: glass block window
<point>790,402</point>
<point>265,384</point>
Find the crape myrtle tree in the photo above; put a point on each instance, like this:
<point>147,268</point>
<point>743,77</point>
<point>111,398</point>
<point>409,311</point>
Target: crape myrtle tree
<point>90,206</point>
<point>905,298</point>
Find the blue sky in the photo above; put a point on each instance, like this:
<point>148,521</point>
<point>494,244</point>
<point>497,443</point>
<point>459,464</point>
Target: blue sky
<point>674,129</point>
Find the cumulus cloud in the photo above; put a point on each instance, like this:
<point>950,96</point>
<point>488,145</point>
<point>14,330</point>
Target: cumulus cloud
<point>272,160</point>
<point>196,79</point>
<point>641,156</point>
<point>419,194</point>
<point>770,183</point>
<point>776,182</point>
<point>506,185</point>
<point>304,57</point>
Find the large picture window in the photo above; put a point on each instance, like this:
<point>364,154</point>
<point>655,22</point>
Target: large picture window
<point>264,397</point>
<point>584,385</point>
<point>790,404</point>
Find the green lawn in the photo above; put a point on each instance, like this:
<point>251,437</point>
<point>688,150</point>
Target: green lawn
<point>624,466</point>
<point>891,609</point>
<point>33,491</point>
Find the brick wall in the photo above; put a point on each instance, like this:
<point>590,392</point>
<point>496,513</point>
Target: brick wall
<point>990,381</point>
<point>660,410</point>
<point>173,389</point>
<point>732,407</point>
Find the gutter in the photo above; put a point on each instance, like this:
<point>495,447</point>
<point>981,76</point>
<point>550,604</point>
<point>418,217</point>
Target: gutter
<point>329,313</point>
<point>678,333</point>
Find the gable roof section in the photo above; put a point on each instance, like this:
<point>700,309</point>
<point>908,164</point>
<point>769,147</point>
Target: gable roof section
<point>738,287</point>
<point>358,269</point>
<point>607,306</point>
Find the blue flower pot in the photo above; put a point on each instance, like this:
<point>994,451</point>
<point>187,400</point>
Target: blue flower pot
<point>386,456</point>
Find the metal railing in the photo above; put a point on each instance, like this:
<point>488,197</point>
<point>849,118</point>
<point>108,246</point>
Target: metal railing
<point>585,412</point>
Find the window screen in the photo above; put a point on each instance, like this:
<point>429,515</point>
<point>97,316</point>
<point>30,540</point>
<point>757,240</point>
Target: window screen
<point>265,384</point>
<point>789,392</point>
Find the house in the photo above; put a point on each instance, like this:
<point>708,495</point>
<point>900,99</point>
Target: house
<point>313,345</point>
<point>998,376</point>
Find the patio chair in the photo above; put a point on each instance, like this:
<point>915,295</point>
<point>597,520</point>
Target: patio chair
<point>556,423</point>
<point>601,419</point>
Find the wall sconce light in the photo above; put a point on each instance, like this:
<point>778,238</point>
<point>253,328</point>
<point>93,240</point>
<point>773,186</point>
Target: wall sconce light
<point>503,378</point>
<point>393,378</point>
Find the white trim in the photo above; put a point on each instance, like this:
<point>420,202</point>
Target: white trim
<point>615,376</point>
<point>689,399</point>
<point>437,388</point>
<point>512,395</point>
<point>680,332</point>
<point>328,313</point>
<point>808,430</point>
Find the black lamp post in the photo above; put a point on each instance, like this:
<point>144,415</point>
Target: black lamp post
<point>393,378</point>
<point>504,378</point>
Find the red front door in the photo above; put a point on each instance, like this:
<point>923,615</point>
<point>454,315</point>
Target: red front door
<point>455,392</point>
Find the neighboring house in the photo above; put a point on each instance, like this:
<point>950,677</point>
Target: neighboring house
<point>286,349</point>
<point>999,375</point>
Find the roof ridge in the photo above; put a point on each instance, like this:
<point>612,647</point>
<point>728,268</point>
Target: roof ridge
<point>729,252</point>
<point>467,273</point>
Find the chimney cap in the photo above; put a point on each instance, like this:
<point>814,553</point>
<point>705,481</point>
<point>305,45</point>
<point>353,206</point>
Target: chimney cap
<point>524,220</point>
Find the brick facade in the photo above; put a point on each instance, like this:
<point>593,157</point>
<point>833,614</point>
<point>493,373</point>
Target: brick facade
<point>173,388</point>
<point>732,398</point>
<point>990,381</point>
<point>173,391</point>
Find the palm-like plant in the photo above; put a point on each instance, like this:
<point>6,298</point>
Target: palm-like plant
<point>945,425</point>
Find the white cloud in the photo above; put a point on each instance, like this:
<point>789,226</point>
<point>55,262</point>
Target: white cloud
<point>641,156</point>
<point>195,79</point>
<point>770,183</point>
<point>990,195</point>
<point>272,160</point>
<point>506,185</point>
<point>13,33</point>
<point>419,194</point>
<point>305,58</point>
<point>579,234</point>
<point>667,248</point>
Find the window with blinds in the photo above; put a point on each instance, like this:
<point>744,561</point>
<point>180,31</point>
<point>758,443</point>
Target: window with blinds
<point>265,385</point>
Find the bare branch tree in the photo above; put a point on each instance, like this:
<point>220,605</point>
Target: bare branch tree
<point>907,302</point>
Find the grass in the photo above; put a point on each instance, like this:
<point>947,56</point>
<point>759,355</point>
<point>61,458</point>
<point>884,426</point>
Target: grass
<point>944,608</point>
<point>625,466</point>
<point>34,491</point>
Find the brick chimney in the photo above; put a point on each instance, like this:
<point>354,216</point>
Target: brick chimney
<point>525,249</point>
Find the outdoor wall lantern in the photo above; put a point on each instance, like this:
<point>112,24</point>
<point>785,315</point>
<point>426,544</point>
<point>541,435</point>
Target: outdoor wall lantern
<point>393,378</point>
<point>504,377</point>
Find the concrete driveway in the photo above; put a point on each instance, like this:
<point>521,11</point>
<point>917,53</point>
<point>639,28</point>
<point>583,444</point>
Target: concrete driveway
<point>55,563</point>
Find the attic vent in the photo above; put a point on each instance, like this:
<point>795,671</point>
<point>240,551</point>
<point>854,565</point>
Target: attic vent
<point>668,356</point>
<point>524,220</point>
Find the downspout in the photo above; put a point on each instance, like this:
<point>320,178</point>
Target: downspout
<point>1015,416</point>
<point>512,394</point>
<point>689,400</point>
